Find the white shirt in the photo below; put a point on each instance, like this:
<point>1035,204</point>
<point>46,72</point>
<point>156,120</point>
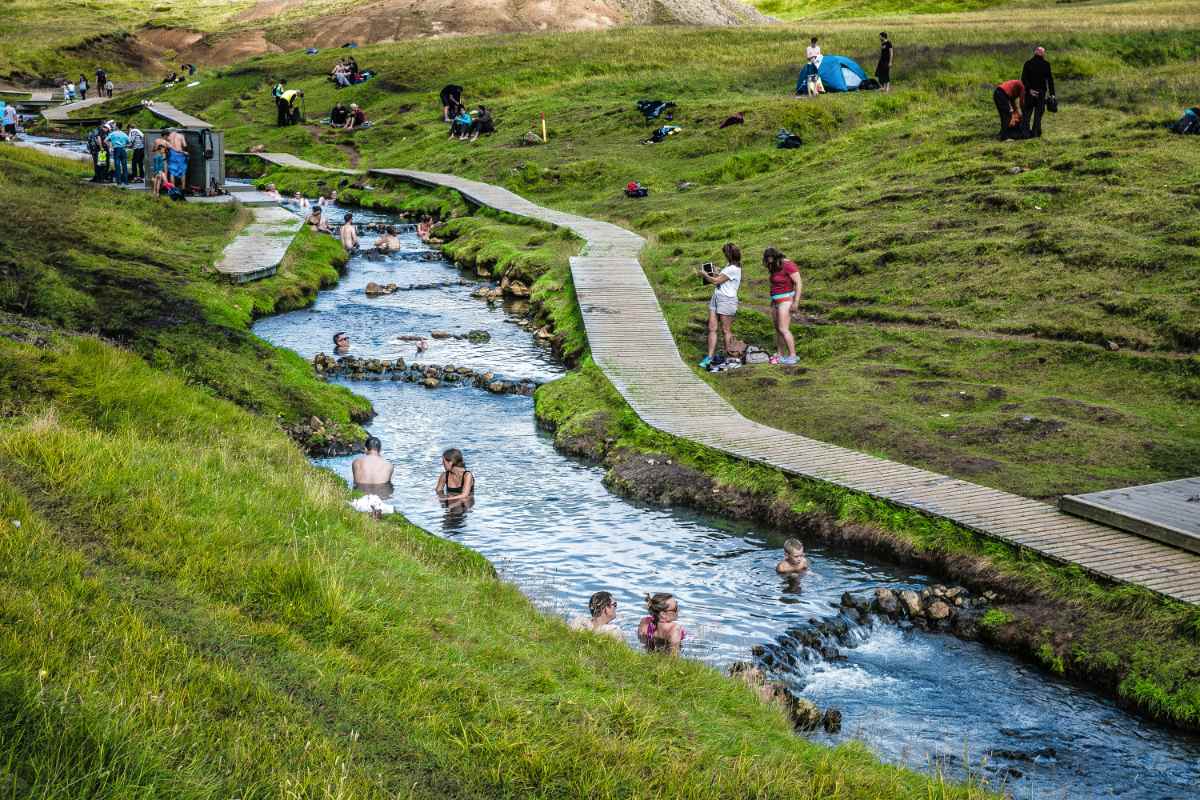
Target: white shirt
<point>813,53</point>
<point>729,288</point>
<point>582,623</point>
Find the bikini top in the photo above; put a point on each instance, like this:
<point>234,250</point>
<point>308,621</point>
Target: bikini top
<point>456,489</point>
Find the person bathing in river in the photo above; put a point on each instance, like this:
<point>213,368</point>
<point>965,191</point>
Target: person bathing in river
<point>341,343</point>
<point>316,221</point>
<point>349,234</point>
<point>603,610</point>
<point>661,631</point>
<point>456,483</point>
<point>389,242</point>
<point>794,561</point>
<point>372,472</point>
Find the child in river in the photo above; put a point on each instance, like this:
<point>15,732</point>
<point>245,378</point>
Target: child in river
<point>794,561</point>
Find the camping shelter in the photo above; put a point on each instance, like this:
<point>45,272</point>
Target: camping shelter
<point>838,73</point>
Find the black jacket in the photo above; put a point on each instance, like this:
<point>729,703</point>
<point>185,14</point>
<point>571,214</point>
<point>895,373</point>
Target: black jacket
<point>1037,77</point>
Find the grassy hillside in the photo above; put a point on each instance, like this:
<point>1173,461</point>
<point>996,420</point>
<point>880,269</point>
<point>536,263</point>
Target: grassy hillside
<point>192,611</point>
<point>962,295</point>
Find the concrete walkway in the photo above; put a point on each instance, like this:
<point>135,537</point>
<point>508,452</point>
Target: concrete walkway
<point>633,346</point>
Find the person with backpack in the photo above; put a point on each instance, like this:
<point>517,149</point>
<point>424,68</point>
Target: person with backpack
<point>724,303</point>
<point>96,149</point>
<point>1007,97</point>
<point>290,101</point>
<point>137,143</point>
<point>101,79</point>
<point>1039,87</point>
<point>883,70</point>
<point>281,106</point>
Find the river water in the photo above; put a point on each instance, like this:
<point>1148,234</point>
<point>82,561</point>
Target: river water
<point>928,701</point>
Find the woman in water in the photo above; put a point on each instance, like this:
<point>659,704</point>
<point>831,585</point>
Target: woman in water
<point>456,484</point>
<point>661,630</point>
<point>603,610</point>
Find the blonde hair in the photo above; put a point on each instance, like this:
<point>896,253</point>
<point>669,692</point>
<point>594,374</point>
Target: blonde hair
<point>793,546</point>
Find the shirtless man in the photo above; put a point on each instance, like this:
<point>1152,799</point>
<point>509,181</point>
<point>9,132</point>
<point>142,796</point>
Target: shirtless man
<point>794,561</point>
<point>348,234</point>
<point>177,159</point>
<point>389,242</point>
<point>372,469</point>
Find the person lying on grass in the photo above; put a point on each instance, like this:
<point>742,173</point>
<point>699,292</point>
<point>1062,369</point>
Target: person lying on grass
<point>602,610</point>
<point>661,631</point>
<point>794,561</point>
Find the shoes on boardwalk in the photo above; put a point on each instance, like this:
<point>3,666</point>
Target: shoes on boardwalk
<point>704,362</point>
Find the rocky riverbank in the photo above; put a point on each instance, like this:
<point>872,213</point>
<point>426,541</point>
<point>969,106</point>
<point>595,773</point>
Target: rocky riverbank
<point>431,376</point>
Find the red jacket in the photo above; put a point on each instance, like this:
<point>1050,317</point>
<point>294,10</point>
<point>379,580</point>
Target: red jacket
<point>1014,89</point>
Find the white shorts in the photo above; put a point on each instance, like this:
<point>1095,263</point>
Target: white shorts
<point>725,306</point>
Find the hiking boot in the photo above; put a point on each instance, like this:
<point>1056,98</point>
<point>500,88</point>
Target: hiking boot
<point>705,362</point>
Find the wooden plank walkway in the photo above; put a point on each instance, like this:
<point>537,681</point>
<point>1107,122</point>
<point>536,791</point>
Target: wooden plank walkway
<point>1167,512</point>
<point>618,302</point>
<point>294,162</point>
<point>176,117</point>
<point>62,113</point>
<point>258,248</point>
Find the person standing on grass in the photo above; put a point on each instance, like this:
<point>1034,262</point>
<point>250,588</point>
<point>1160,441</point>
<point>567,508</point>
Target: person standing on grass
<point>82,85</point>
<point>281,105</point>
<point>883,70</point>
<point>451,97</point>
<point>119,140</point>
<point>1008,96</point>
<point>1039,86</point>
<point>137,143</point>
<point>724,303</point>
<point>177,159</point>
<point>349,234</point>
<point>602,610</point>
<point>786,289</point>
<point>812,53</point>
<point>661,631</point>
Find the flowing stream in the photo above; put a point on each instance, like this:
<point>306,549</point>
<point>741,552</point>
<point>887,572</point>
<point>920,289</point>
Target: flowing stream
<point>548,523</point>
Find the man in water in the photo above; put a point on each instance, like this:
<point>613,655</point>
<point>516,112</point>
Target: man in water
<point>372,469</point>
<point>341,343</point>
<point>349,234</point>
<point>177,159</point>
<point>794,561</point>
<point>389,242</point>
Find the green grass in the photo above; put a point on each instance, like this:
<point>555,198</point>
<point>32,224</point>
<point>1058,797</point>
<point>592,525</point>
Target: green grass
<point>192,611</point>
<point>931,267</point>
<point>139,272</point>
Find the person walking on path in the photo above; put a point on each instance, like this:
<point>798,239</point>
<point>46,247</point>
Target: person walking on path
<point>82,86</point>
<point>137,144</point>
<point>119,140</point>
<point>177,159</point>
<point>1039,87</point>
<point>108,88</point>
<point>1007,97</point>
<point>786,288</point>
<point>69,92</point>
<point>724,303</point>
<point>101,79</point>
<point>883,70</point>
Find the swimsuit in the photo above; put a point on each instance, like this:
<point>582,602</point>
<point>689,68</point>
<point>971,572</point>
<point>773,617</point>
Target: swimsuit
<point>455,490</point>
<point>655,644</point>
<point>779,298</point>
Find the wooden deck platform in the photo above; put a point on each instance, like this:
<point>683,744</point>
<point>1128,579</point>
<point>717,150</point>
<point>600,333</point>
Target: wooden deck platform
<point>294,162</point>
<point>619,305</point>
<point>62,113</point>
<point>258,249</point>
<point>176,117</point>
<point>1167,512</point>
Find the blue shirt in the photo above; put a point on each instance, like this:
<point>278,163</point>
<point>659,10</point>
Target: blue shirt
<point>118,139</point>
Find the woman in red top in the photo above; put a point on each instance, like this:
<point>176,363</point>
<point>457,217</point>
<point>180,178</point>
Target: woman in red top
<point>1008,100</point>
<point>786,288</point>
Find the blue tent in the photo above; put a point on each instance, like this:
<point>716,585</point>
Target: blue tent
<point>838,73</point>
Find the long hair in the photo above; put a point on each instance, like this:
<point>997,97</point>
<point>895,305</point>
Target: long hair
<point>773,259</point>
<point>455,457</point>
<point>733,253</point>
<point>657,603</point>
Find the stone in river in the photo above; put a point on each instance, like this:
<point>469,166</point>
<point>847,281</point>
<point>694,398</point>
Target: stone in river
<point>431,383</point>
<point>497,387</point>
<point>911,602</point>
<point>440,335</point>
<point>518,289</point>
<point>938,610</point>
<point>478,336</point>
<point>886,602</point>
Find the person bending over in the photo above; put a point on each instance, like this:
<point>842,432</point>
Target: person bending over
<point>602,610</point>
<point>794,561</point>
<point>451,97</point>
<point>724,303</point>
<point>456,483</point>
<point>372,469</point>
<point>661,631</point>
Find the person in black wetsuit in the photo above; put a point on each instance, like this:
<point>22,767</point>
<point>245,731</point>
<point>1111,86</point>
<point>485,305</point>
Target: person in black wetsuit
<point>883,70</point>
<point>1039,85</point>
<point>456,484</point>
<point>451,96</point>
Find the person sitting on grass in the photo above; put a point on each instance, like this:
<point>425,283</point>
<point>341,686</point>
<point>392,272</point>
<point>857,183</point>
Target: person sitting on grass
<point>372,470</point>
<point>602,610</point>
<point>794,561</point>
<point>456,483</point>
<point>461,126</point>
<point>338,114</point>
<point>724,303</point>
<point>661,631</point>
<point>786,288</point>
<point>316,221</point>
<point>482,123</point>
<point>389,242</point>
<point>356,119</point>
<point>348,233</point>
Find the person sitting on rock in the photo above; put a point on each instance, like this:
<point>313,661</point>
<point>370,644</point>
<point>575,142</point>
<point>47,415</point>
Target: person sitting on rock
<point>372,472</point>
<point>349,234</point>
<point>316,221</point>
<point>603,610</point>
<point>456,483</point>
<point>341,343</point>
<point>794,561</point>
<point>661,631</point>
<point>389,242</point>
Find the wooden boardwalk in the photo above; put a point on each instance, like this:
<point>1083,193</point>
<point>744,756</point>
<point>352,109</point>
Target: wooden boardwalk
<point>620,309</point>
<point>176,117</point>
<point>258,249</point>
<point>1168,512</point>
<point>62,113</point>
